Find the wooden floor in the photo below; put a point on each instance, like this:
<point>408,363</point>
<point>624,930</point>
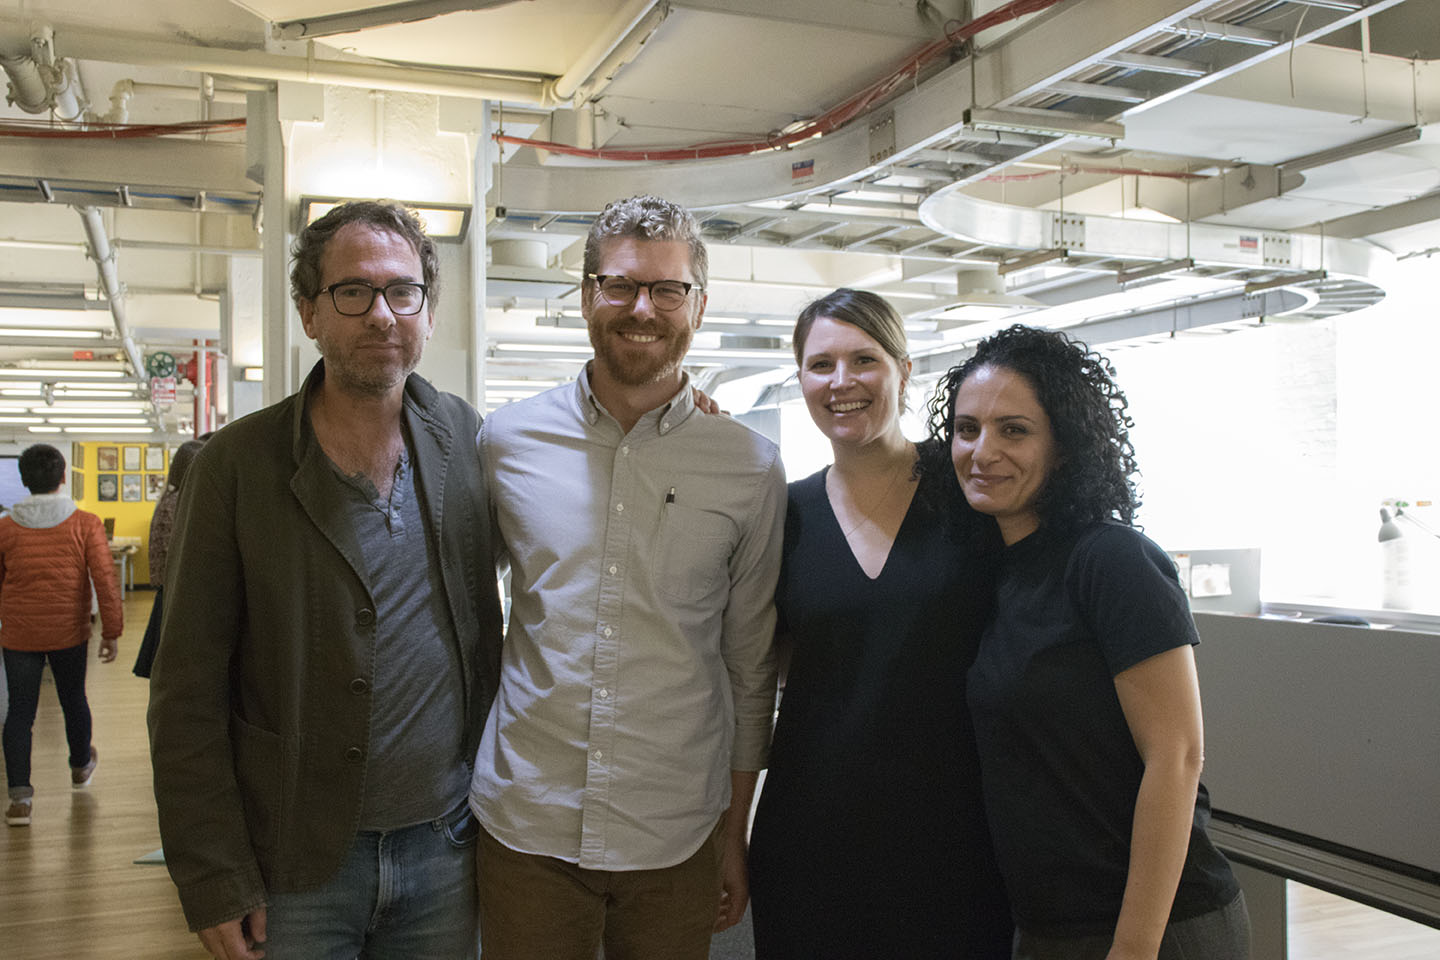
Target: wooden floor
<point>69,889</point>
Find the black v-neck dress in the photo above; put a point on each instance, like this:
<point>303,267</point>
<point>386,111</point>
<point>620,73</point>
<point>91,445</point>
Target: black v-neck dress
<point>870,839</point>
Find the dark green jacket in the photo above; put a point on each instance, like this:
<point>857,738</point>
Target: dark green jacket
<point>260,698</point>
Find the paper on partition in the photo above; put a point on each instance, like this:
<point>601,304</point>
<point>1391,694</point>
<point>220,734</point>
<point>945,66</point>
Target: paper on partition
<point>1210,580</point>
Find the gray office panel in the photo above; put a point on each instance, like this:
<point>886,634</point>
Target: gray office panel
<point>1328,731</point>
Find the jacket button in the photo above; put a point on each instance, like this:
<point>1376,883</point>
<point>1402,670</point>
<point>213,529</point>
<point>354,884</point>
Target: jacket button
<point>354,754</point>
<point>365,617</point>
<point>358,685</point>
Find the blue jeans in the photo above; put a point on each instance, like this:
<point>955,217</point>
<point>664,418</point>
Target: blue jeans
<point>406,894</point>
<point>22,678</point>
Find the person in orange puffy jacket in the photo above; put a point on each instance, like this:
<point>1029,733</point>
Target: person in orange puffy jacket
<point>50,553</point>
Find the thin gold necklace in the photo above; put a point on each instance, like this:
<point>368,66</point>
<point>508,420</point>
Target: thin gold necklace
<point>880,500</point>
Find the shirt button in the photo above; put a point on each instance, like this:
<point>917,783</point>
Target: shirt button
<point>664,424</point>
<point>607,631</point>
<point>354,754</point>
<point>365,617</point>
<point>625,449</point>
<point>358,685</point>
<point>599,755</point>
<point>613,568</point>
<point>603,693</point>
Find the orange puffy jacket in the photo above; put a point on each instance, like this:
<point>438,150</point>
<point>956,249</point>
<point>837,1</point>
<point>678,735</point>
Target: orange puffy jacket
<point>46,569</point>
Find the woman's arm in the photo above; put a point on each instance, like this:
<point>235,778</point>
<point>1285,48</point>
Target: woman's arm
<point>1161,700</point>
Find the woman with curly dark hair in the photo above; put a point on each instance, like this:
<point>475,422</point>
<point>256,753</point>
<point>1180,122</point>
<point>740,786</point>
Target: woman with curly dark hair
<point>1084,692</point>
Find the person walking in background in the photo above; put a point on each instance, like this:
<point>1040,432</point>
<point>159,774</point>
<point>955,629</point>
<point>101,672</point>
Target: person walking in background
<point>870,837</point>
<point>51,552</point>
<point>162,528</point>
<point>1084,692</point>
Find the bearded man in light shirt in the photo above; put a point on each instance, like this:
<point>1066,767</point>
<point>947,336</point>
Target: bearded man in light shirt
<point>637,691</point>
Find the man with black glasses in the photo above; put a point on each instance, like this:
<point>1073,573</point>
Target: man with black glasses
<point>331,634</point>
<point>637,687</point>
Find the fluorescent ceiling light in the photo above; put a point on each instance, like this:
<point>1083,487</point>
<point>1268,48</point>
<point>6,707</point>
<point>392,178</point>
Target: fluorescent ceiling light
<point>43,429</point>
<point>115,421</point>
<point>537,384</point>
<point>120,393</point>
<point>83,389</point>
<point>442,221</point>
<point>97,392</point>
<point>98,429</point>
<point>61,409</point>
<point>53,372</point>
<point>21,420</point>
<point>58,333</point>
<point>584,351</point>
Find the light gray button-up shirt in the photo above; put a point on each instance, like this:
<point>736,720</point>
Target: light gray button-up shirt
<point>638,667</point>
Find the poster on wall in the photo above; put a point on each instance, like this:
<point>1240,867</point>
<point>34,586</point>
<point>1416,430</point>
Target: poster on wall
<point>77,456</point>
<point>130,486</point>
<point>107,458</point>
<point>154,458</point>
<point>107,485</point>
<point>77,484</point>
<point>154,485</point>
<point>132,458</point>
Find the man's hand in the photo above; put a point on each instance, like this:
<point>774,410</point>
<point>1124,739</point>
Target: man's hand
<point>240,939</point>
<point>734,884</point>
<point>108,649</point>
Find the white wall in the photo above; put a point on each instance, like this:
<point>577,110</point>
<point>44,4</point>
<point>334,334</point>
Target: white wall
<point>1289,437</point>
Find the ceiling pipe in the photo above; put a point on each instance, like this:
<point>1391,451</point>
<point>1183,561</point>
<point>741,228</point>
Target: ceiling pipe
<point>104,256</point>
<point>639,18</point>
<point>27,88</point>
<point>84,43</point>
<point>384,16</point>
<point>39,82</point>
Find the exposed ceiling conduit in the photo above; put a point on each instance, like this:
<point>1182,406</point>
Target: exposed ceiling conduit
<point>40,83</point>
<point>627,20</point>
<point>831,120</point>
<point>382,16</point>
<point>104,256</point>
<point>84,43</point>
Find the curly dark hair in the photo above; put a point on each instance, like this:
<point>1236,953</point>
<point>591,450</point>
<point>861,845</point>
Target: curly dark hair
<point>1093,478</point>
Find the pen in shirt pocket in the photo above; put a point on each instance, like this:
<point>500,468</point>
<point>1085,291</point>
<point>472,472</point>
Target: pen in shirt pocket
<point>670,497</point>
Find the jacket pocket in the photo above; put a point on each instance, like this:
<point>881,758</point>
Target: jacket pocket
<point>260,769</point>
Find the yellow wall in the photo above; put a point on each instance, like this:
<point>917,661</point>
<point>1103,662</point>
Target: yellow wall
<point>132,519</point>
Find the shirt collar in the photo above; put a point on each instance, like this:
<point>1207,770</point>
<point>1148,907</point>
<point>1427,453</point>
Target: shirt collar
<point>662,419</point>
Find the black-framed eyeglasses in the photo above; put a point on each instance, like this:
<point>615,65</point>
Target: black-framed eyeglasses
<point>354,298</point>
<point>620,291</point>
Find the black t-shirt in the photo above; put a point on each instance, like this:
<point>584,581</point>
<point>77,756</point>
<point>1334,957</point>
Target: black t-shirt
<point>1060,769</point>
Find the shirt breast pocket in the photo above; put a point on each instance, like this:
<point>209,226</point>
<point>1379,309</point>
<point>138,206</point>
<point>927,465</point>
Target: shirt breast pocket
<point>693,555</point>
